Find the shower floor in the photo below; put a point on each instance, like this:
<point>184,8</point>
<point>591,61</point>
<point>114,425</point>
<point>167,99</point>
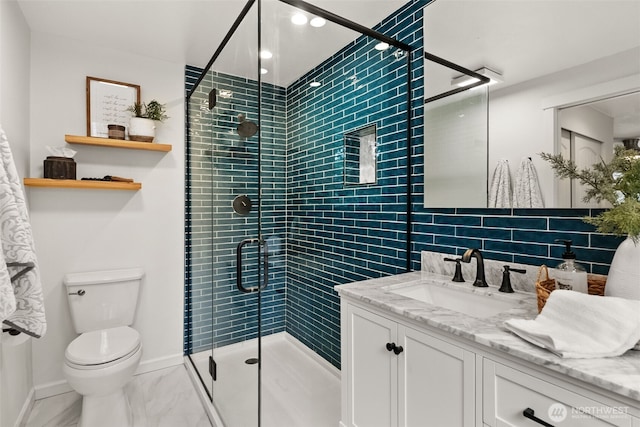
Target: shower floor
<point>297,389</point>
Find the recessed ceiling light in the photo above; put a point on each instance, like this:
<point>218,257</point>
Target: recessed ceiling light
<point>318,22</point>
<point>265,54</point>
<point>382,46</point>
<point>263,71</point>
<point>299,19</point>
<point>315,84</point>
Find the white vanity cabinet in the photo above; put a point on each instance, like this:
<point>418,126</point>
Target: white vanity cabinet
<point>508,392</point>
<point>395,375</point>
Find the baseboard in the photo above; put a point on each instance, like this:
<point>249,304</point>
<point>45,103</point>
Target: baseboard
<point>52,389</point>
<point>58,387</point>
<point>159,363</point>
<point>26,409</point>
<point>315,356</point>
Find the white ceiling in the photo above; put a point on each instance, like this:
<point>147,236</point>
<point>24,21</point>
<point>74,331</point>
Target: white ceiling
<point>525,39</point>
<point>509,36</point>
<point>189,31</point>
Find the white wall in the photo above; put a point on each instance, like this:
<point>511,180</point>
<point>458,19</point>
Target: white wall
<point>517,125</point>
<point>16,382</point>
<point>88,230</point>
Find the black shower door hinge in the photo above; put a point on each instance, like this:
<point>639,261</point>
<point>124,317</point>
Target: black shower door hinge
<point>213,368</point>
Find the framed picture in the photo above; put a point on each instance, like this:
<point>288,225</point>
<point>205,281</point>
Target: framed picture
<point>107,103</point>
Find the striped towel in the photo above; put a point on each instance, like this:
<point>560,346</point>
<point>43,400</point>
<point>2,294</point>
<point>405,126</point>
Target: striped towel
<point>500,191</point>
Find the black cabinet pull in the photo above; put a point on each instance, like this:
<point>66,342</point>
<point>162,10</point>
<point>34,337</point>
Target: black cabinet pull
<point>397,349</point>
<point>530,413</point>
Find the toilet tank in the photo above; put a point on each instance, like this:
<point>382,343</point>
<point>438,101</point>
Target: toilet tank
<point>103,299</point>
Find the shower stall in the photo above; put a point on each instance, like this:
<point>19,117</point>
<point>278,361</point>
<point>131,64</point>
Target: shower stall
<point>297,180</point>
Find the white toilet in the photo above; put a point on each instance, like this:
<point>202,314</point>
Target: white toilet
<point>105,356</point>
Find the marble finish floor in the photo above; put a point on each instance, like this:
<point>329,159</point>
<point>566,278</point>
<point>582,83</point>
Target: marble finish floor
<point>163,398</point>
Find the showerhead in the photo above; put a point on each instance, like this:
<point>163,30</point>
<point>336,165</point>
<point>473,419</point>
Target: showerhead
<point>246,129</point>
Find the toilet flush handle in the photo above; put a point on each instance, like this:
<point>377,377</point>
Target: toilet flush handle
<point>81,292</point>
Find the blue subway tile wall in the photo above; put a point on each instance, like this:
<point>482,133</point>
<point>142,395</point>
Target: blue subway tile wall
<point>340,233</point>
<point>223,165</point>
<point>523,236</point>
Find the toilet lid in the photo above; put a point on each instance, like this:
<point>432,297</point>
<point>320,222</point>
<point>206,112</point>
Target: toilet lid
<point>102,346</point>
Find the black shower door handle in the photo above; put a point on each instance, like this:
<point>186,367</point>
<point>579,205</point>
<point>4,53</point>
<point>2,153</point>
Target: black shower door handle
<point>265,259</point>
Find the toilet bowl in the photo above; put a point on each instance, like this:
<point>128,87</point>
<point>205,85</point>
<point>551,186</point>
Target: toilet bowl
<point>97,365</point>
<point>103,358</point>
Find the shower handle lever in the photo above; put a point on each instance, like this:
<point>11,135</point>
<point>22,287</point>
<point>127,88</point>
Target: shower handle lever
<point>265,259</point>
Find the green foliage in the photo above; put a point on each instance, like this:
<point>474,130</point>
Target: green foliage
<point>153,110</point>
<point>617,182</point>
<point>136,109</point>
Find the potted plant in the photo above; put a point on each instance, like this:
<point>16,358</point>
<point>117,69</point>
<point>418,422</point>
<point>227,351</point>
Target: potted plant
<point>142,125</point>
<point>617,182</point>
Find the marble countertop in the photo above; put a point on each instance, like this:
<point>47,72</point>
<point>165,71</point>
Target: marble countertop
<point>620,375</point>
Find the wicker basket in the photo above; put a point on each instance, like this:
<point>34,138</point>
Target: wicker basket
<point>546,285</point>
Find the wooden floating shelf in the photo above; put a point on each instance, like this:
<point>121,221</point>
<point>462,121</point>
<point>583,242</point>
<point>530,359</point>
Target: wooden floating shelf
<point>86,184</point>
<point>117,143</point>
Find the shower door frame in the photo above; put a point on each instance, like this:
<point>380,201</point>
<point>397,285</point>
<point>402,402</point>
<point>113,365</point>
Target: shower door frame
<point>362,31</point>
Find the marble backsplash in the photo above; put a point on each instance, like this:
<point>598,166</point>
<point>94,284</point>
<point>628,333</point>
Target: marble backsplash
<point>433,262</point>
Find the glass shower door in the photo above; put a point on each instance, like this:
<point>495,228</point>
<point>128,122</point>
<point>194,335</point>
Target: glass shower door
<point>273,176</point>
<point>226,105</point>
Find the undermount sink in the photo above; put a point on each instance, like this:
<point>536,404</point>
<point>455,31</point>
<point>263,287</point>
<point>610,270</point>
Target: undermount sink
<point>476,302</point>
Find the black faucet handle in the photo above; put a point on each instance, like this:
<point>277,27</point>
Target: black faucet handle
<point>506,278</point>
<point>457,276</point>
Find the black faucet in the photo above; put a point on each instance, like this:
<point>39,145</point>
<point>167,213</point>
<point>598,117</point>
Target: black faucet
<point>457,276</point>
<point>480,281</point>
<point>506,278</point>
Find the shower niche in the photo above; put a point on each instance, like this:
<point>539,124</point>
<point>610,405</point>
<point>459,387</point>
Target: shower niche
<point>360,156</point>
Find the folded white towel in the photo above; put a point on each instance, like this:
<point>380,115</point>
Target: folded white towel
<point>577,325</point>
<point>500,191</point>
<point>527,192</point>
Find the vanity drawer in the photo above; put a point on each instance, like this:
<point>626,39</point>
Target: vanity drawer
<point>507,393</point>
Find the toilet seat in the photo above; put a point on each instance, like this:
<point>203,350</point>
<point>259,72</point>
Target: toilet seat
<point>102,348</point>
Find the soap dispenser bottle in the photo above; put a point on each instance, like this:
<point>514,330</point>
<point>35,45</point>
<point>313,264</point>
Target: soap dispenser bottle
<point>570,274</point>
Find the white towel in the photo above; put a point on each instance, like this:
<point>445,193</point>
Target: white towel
<point>21,301</point>
<point>577,325</point>
<point>500,191</point>
<point>527,192</point>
